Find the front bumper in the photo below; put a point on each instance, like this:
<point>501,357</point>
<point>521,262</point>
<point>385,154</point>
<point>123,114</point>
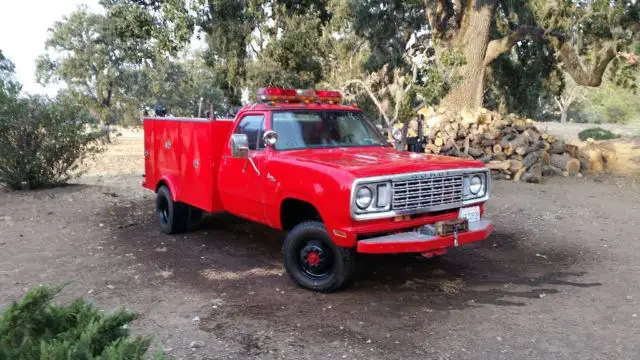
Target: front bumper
<point>416,242</point>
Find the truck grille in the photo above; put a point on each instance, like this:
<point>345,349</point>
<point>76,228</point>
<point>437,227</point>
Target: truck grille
<point>427,193</point>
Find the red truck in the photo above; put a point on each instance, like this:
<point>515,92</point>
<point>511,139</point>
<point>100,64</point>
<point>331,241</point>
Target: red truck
<point>302,162</point>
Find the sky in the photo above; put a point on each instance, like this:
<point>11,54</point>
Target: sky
<point>23,31</point>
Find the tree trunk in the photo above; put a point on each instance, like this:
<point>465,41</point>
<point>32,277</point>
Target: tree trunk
<point>473,39</point>
<point>563,116</point>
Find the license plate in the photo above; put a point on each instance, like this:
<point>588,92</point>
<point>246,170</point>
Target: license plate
<point>472,214</point>
<point>450,226</point>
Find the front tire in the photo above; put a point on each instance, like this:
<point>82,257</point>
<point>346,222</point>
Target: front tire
<point>173,216</point>
<point>314,262</point>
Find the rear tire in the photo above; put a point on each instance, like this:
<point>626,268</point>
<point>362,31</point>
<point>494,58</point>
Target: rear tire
<point>314,262</point>
<point>173,216</point>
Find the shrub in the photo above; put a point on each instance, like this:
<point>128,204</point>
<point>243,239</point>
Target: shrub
<point>44,142</point>
<point>597,133</point>
<point>35,328</point>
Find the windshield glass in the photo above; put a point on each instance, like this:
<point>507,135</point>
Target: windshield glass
<point>324,129</point>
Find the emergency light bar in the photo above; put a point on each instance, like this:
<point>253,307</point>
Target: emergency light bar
<point>294,95</point>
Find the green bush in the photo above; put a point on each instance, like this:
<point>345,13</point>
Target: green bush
<point>44,142</point>
<point>597,133</point>
<point>35,328</point>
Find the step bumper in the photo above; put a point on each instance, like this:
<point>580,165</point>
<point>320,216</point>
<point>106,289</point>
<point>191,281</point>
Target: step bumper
<point>416,242</point>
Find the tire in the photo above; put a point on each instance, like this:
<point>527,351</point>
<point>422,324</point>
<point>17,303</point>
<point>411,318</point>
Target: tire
<point>173,216</point>
<point>329,270</point>
<point>195,215</point>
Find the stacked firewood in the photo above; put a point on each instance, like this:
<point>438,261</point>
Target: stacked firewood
<point>511,146</point>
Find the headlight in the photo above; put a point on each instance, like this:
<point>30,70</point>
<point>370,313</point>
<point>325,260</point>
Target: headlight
<point>475,185</point>
<point>364,196</point>
<point>372,197</point>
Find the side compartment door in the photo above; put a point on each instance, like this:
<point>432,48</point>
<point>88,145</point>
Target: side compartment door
<point>242,179</point>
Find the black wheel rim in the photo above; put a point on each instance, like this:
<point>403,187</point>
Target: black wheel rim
<point>316,259</point>
<point>163,210</point>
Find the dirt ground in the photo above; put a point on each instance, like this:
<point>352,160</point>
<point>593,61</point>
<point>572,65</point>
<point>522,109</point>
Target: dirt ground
<point>559,278</point>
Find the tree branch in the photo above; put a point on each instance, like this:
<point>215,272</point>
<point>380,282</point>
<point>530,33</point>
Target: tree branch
<point>497,47</point>
<point>369,92</point>
<point>574,67</point>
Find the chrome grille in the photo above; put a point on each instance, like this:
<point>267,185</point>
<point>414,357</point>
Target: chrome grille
<point>427,193</point>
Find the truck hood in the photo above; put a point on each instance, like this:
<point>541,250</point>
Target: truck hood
<point>375,161</point>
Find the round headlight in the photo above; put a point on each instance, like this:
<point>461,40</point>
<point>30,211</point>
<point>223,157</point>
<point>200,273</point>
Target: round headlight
<point>475,185</point>
<point>364,196</point>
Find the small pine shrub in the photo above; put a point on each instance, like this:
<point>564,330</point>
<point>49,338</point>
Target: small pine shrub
<point>597,133</point>
<point>34,328</point>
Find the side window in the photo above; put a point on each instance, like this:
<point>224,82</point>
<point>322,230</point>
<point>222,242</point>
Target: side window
<point>253,127</point>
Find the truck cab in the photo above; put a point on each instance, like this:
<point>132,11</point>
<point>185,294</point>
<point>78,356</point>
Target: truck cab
<point>302,162</point>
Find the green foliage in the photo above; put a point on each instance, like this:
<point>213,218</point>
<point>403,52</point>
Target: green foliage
<point>183,86</point>
<point>36,328</point>
<point>93,54</point>
<point>44,142</point>
<point>608,104</point>
<point>291,60</point>
<point>597,133</point>
<point>521,77</point>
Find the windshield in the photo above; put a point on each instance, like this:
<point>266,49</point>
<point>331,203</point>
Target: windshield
<point>324,129</point>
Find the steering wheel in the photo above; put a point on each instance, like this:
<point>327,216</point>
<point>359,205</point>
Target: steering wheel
<point>348,138</point>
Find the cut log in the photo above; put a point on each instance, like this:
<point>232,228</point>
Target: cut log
<point>488,150</point>
<point>557,147</point>
<point>545,136</point>
<point>497,149</point>
<point>550,170</point>
<point>591,157</point>
<point>499,165</point>
<point>520,125</point>
<point>516,165</point>
<point>438,141</point>
<point>519,174</point>
<point>508,150</point>
<point>532,158</point>
<point>487,142</point>
<point>538,145</point>
<point>534,174</point>
<point>566,163</point>
<point>476,152</point>
<point>500,156</point>
<point>491,134</point>
<point>551,139</point>
<point>522,150</point>
<point>572,150</point>
<point>546,158</point>
<point>520,140</point>
<point>533,134</point>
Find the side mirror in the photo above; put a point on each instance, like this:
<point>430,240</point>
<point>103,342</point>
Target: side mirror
<point>270,137</point>
<point>239,145</point>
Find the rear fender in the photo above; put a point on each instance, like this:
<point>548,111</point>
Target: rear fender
<point>171,184</point>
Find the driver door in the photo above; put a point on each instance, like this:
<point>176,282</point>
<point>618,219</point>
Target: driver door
<point>242,178</point>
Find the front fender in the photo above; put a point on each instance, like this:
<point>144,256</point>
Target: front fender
<point>328,192</point>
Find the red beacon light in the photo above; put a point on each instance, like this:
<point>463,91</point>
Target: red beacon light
<point>329,96</point>
<point>294,95</point>
<point>276,94</point>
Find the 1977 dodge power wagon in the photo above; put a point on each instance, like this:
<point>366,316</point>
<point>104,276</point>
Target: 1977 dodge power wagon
<point>300,161</point>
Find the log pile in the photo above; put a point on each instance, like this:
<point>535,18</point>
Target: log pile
<point>511,146</point>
